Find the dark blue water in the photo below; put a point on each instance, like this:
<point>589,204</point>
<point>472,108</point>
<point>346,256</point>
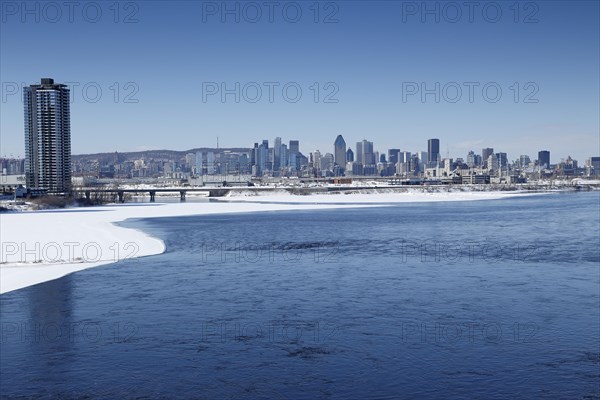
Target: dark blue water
<point>489,299</point>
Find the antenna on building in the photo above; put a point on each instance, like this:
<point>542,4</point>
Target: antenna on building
<point>217,142</point>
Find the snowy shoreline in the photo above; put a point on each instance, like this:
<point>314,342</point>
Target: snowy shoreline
<point>40,246</point>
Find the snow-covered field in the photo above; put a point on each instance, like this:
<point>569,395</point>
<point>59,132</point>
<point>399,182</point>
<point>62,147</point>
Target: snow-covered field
<point>39,246</point>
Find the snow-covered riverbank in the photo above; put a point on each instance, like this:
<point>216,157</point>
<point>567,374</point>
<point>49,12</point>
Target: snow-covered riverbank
<point>39,246</point>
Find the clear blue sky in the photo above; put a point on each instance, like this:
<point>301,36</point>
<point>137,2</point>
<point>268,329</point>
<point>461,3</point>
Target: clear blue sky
<point>372,51</point>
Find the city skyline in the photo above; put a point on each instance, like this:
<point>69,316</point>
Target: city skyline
<point>283,160</point>
<point>135,112</point>
<point>432,144</point>
<point>47,165</point>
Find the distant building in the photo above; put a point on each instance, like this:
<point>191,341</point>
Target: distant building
<point>364,153</point>
<point>253,153</point>
<point>485,155</point>
<point>199,163</point>
<point>473,160</point>
<point>357,168</point>
<point>422,160</point>
<point>294,146</point>
<point>327,162</point>
<point>10,183</point>
<point>349,155</point>
<point>370,170</point>
<point>210,163</point>
<point>284,156</point>
<point>497,163</point>
<point>315,159</point>
<point>190,160</point>
<point>340,152</point>
<point>404,157</point>
<point>293,158</point>
<point>293,161</point>
<point>544,159</point>
<point>302,160</point>
<point>414,163</point>
<point>261,158</point>
<point>402,168</point>
<point>433,151</point>
<point>567,167</point>
<point>592,166</point>
<point>47,136</point>
<point>393,155</point>
<point>12,166</point>
<point>524,161</point>
<point>277,154</point>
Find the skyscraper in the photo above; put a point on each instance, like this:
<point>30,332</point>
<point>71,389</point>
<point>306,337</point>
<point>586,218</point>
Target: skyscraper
<point>524,161</point>
<point>485,154</point>
<point>261,153</point>
<point>284,156</point>
<point>592,166</point>
<point>277,154</point>
<point>294,154</point>
<point>393,155</point>
<point>315,158</point>
<point>340,152</point>
<point>350,155</point>
<point>47,136</point>
<point>497,163</point>
<point>471,162</point>
<point>253,154</point>
<point>199,163</point>
<point>433,151</point>
<point>404,156</point>
<point>368,154</point>
<point>327,162</point>
<point>294,146</point>
<point>364,152</point>
<point>544,159</point>
<point>210,163</point>
<point>359,152</point>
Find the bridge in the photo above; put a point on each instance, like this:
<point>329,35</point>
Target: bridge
<point>223,191</point>
<point>212,192</point>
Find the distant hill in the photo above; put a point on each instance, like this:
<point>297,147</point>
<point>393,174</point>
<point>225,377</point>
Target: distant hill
<point>154,154</point>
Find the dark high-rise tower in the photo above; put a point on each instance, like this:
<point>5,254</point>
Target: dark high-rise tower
<point>294,154</point>
<point>294,146</point>
<point>261,157</point>
<point>393,155</point>
<point>350,155</point>
<point>433,151</point>
<point>544,158</point>
<point>340,152</point>
<point>47,136</point>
